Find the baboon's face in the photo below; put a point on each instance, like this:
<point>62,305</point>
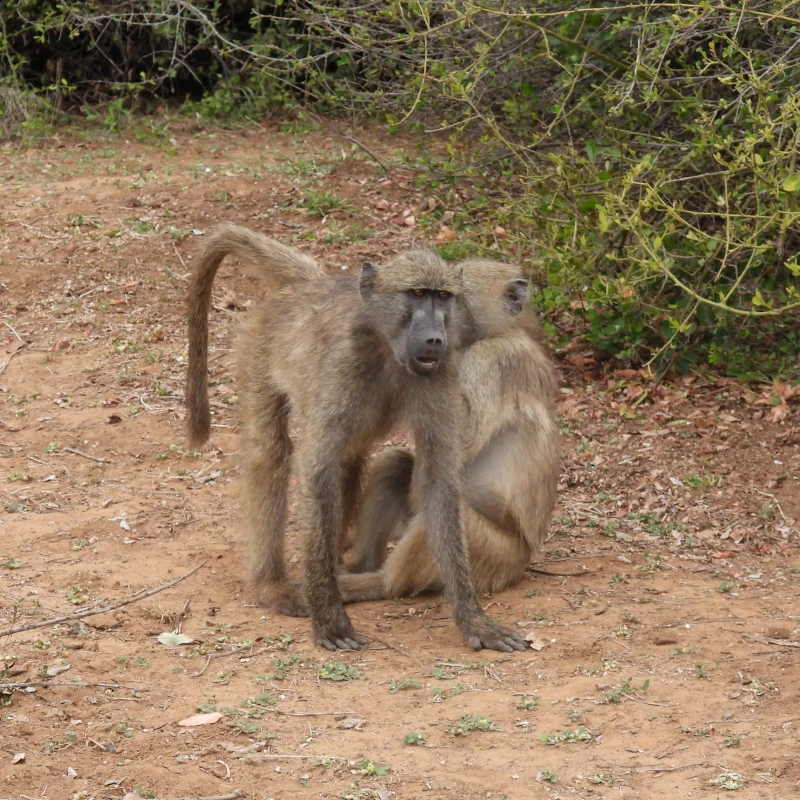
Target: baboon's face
<point>428,312</point>
<point>418,323</point>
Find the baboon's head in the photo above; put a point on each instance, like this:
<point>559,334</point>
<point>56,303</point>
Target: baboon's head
<point>415,302</point>
<point>495,296</point>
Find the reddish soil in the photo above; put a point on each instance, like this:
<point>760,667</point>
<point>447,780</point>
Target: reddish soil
<point>670,646</point>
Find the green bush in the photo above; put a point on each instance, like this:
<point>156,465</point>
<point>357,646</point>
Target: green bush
<point>642,157</point>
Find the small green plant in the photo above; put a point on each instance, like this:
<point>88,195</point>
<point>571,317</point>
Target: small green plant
<point>368,767</point>
<point>440,693</point>
<point>469,723</point>
<point>528,703</point>
<point>706,480</point>
<point>335,671</point>
<point>727,780</point>
<point>547,775</point>
<point>701,671</point>
<point>734,740</point>
<point>414,738</point>
<point>403,683</point>
<point>726,586</point>
<point>145,794</point>
<point>570,737</point>
<point>262,700</point>
<point>12,563</point>
<point>76,596</point>
<point>125,730</point>
<point>700,733</point>
<point>53,447</point>
<point>79,544</point>
<point>573,715</point>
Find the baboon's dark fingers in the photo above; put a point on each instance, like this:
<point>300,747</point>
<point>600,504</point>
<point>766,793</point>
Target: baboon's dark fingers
<point>338,635</point>
<point>350,644</point>
<point>494,637</point>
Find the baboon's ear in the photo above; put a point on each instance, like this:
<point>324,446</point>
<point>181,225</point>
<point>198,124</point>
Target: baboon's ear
<point>516,295</point>
<point>366,281</point>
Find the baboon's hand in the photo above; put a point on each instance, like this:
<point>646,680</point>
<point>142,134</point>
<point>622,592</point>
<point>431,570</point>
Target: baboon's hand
<point>337,633</point>
<point>484,634</point>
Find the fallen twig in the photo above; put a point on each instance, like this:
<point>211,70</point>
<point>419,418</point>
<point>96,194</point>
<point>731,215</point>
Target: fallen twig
<point>26,684</point>
<point>652,767</point>
<point>89,612</point>
<point>221,655</point>
<point>765,640</point>
<point>86,455</point>
<point>231,796</point>
<point>8,361</point>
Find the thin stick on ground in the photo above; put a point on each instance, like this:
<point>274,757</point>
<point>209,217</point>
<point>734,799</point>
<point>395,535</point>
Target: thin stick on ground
<point>89,612</point>
<point>3,366</point>
<point>84,684</point>
<point>232,796</point>
<point>86,455</point>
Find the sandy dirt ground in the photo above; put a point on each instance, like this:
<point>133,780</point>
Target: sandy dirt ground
<point>668,649</point>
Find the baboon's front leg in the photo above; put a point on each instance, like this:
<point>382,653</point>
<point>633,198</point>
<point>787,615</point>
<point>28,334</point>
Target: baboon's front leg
<point>437,493</point>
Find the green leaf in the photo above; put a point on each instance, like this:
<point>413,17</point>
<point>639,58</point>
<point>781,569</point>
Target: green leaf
<point>792,184</point>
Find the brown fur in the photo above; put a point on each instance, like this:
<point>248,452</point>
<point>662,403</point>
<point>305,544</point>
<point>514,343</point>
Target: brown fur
<point>330,351</point>
<point>510,451</point>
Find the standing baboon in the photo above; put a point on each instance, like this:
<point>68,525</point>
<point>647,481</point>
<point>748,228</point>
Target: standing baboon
<point>510,452</point>
<point>351,357</point>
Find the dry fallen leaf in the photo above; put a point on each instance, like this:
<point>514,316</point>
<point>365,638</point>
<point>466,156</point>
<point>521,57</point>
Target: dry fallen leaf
<point>536,643</point>
<point>200,719</point>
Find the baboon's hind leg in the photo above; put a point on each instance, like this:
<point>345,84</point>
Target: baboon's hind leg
<point>265,477</point>
<point>385,510</point>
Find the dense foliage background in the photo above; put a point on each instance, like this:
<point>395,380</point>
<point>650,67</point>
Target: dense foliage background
<point>644,156</point>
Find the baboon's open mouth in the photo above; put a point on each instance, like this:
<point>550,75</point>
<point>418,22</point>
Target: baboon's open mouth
<point>426,363</point>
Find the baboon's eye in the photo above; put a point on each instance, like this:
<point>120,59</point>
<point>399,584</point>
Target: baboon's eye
<point>444,295</point>
<point>418,292</point>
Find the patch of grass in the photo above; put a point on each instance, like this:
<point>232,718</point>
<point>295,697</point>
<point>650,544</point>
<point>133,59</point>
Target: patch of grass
<point>318,203</point>
<point>705,481</point>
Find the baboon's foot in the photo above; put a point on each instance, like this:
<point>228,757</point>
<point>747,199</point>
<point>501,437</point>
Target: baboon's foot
<point>336,632</point>
<point>481,633</point>
<point>286,598</point>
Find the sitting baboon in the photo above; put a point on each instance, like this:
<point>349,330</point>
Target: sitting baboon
<point>352,357</point>
<point>510,453</point>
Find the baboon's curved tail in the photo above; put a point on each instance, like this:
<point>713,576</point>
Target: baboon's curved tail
<point>282,264</point>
